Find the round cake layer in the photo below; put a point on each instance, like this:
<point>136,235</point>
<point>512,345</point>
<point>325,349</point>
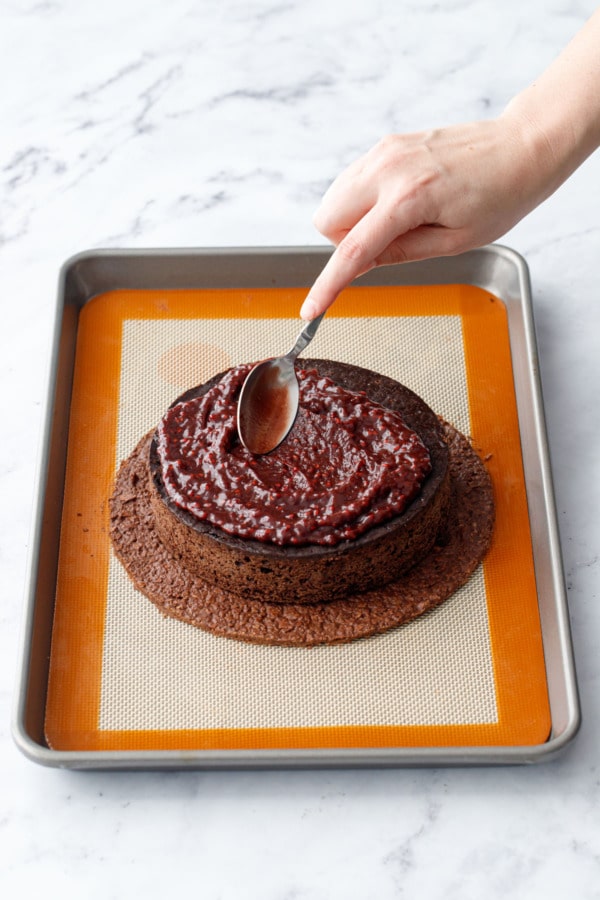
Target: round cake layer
<point>180,594</point>
<point>259,570</point>
<point>347,464</point>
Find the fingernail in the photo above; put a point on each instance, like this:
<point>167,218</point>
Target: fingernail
<point>308,310</point>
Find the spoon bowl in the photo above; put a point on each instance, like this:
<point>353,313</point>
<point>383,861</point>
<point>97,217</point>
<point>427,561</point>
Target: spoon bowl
<point>268,402</point>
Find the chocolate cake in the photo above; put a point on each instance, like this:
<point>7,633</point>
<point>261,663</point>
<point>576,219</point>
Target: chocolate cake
<point>303,593</point>
<point>313,572</point>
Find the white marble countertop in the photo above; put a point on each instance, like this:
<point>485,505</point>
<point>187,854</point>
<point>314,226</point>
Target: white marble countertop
<point>221,122</point>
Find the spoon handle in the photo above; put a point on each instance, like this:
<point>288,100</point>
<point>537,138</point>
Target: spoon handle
<point>304,338</point>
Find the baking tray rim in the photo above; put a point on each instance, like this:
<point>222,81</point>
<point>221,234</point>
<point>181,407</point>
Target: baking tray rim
<point>469,268</point>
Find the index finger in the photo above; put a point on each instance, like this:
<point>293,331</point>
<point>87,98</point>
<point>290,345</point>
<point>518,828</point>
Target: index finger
<point>355,254</point>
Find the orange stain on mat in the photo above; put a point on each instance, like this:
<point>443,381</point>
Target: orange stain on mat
<point>192,363</point>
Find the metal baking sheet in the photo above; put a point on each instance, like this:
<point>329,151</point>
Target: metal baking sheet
<point>496,269</point>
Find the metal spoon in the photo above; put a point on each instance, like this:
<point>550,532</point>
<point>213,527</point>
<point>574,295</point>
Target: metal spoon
<point>268,402</point>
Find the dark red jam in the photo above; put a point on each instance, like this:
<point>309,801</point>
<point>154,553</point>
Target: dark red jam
<point>347,465</point>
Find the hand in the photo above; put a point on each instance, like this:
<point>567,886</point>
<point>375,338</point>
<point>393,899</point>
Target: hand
<point>417,196</point>
<point>445,191</point>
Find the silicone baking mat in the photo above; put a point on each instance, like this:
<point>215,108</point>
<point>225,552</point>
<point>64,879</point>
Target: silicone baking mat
<point>123,677</point>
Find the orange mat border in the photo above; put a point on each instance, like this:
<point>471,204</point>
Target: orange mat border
<point>73,701</point>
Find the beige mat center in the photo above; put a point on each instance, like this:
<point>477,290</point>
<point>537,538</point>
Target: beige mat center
<point>161,674</point>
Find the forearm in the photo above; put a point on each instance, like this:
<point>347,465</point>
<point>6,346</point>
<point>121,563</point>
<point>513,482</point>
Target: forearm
<point>559,114</point>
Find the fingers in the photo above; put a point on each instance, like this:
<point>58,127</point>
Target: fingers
<point>413,197</point>
<point>346,264</point>
<point>345,203</point>
<point>369,206</point>
<point>355,254</point>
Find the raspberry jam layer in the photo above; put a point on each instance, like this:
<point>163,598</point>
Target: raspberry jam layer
<point>347,465</point>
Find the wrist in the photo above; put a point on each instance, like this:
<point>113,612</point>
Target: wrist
<point>545,148</point>
<point>558,116</point>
